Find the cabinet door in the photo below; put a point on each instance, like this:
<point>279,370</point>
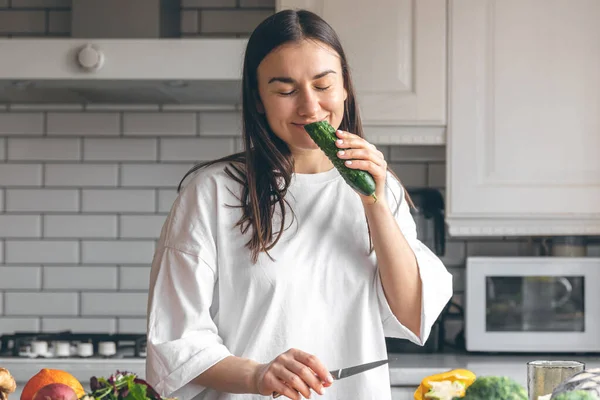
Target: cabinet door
<point>524,117</point>
<point>397,54</point>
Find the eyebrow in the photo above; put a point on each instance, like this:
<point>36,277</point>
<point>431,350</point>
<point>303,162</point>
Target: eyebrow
<point>286,79</point>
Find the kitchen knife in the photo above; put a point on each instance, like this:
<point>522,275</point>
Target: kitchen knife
<point>346,372</point>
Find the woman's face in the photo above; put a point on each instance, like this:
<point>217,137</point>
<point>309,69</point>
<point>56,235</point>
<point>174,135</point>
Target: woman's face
<point>300,83</point>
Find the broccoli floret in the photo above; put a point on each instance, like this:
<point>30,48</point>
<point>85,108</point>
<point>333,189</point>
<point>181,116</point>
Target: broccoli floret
<point>576,395</point>
<point>495,388</point>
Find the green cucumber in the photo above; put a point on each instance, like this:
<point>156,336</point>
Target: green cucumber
<point>324,136</point>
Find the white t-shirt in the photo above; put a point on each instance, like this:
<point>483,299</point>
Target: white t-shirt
<point>321,294</point>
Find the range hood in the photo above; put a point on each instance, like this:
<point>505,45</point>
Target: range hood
<point>124,52</point>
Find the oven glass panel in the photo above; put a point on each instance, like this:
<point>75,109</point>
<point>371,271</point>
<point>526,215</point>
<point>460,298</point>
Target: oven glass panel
<point>535,304</point>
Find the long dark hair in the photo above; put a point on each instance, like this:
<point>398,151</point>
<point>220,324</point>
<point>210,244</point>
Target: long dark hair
<point>265,167</point>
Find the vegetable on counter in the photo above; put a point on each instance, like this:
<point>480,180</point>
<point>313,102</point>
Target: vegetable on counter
<point>587,380</point>
<point>323,134</point>
<point>495,388</point>
<point>7,384</point>
<point>576,395</point>
<point>122,386</point>
<point>445,386</point>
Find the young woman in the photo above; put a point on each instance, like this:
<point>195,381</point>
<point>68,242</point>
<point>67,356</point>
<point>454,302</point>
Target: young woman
<point>270,269</point>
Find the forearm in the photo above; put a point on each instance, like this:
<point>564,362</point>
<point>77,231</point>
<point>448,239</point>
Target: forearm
<point>397,266</point>
<point>231,375</point>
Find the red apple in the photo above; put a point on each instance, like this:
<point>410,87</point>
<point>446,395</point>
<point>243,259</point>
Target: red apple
<point>55,391</point>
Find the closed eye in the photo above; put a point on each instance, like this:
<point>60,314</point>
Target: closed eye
<point>322,89</point>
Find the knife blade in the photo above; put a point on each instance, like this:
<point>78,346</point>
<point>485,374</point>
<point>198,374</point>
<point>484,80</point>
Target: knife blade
<point>346,372</point>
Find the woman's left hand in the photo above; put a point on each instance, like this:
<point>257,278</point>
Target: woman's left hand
<point>357,153</point>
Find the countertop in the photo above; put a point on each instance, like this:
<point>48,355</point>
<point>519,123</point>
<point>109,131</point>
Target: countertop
<point>406,370</point>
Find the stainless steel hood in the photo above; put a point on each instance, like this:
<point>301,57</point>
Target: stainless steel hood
<point>136,57</point>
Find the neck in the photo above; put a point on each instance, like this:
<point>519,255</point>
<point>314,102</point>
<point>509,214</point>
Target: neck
<point>311,162</point>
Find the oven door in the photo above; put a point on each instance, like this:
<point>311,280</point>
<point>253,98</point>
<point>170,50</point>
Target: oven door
<point>532,304</point>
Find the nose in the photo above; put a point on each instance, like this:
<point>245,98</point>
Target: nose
<point>308,104</point>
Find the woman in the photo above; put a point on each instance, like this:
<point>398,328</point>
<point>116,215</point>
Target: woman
<point>270,269</point>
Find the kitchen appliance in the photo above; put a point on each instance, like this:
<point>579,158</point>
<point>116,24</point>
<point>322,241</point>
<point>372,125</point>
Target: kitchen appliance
<point>428,214</point>
<point>532,304</point>
<point>67,344</point>
<point>122,52</point>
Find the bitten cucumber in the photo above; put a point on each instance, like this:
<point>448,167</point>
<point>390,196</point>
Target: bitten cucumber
<point>324,136</point>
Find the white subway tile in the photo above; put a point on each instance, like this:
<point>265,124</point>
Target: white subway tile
<point>21,123</point>
<point>200,149</point>
<point>20,226</point>
<point>45,107</point>
<point>142,226</point>
<point>166,198</point>
<point>121,107</point>
<point>2,149</point>
<point>80,226</point>
<point>80,278</point>
<point>417,153</point>
<point>44,149</point>
<point>41,3</point>
<point>221,123</point>
<point>1,200</point>
<point>117,251</point>
<point>436,175</point>
<point>2,251</point>
<point>81,175</point>
<point>411,175</point>
<point>121,149</point>
<point>114,304</point>
<point>20,175</point>
<point>134,278</point>
<point>42,200</point>
<point>83,124</point>
<point>496,247</point>
<point>132,325</point>
<point>159,124</point>
<point>21,277</point>
<point>189,21</point>
<point>41,251</point>
<point>80,325</point>
<point>239,145</point>
<point>59,21</point>
<point>118,200</point>
<point>19,324</point>
<point>36,303</point>
<point>231,21</point>
<point>208,3</point>
<point>257,3</point>
<point>154,175</point>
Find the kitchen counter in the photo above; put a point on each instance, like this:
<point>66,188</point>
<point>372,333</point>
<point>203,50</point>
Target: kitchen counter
<point>406,370</point>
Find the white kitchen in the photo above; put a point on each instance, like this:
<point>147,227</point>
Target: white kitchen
<point>487,110</point>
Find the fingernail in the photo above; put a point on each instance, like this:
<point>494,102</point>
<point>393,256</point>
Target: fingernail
<point>339,141</point>
<point>348,162</point>
<point>341,153</point>
<point>322,391</point>
<point>330,378</point>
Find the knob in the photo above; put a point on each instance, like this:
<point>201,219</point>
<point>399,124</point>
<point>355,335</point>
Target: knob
<point>107,349</point>
<point>90,58</point>
<point>85,349</point>
<point>62,349</point>
<point>39,348</point>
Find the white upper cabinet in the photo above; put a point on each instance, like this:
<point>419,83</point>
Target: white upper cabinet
<point>397,54</point>
<point>524,117</point>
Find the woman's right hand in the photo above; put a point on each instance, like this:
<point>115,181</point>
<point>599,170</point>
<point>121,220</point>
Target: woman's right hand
<point>292,374</point>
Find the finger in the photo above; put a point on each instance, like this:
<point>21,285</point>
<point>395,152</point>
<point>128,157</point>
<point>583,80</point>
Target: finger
<point>283,389</point>
<point>291,379</point>
<point>314,364</point>
<point>369,166</point>
<point>361,154</point>
<point>307,375</point>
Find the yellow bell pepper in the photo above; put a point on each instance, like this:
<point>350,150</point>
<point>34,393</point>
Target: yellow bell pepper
<point>464,376</point>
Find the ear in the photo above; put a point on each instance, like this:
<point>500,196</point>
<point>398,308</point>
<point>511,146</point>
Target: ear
<point>345,94</point>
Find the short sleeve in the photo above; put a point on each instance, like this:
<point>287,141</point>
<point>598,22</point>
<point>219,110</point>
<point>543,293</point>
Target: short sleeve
<point>183,339</point>
<point>435,278</point>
